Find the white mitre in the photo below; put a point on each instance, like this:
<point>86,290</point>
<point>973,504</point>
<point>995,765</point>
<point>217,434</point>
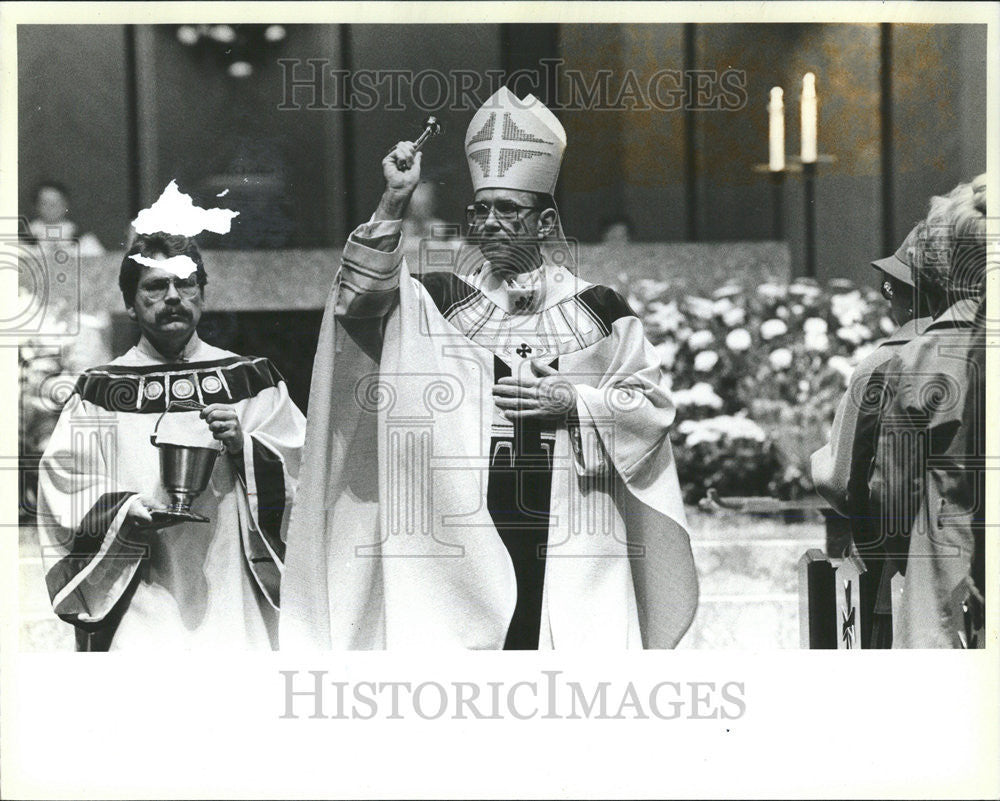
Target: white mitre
<point>514,144</point>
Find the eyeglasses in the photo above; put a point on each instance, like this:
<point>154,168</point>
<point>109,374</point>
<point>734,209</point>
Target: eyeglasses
<point>157,289</point>
<point>502,210</point>
<point>887,292</point>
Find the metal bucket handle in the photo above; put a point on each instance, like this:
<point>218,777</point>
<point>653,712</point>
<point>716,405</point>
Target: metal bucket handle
<point>185,405</point>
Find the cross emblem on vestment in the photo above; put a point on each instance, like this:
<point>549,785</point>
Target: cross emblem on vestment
<point>523,350</point>
<point>847,627</point>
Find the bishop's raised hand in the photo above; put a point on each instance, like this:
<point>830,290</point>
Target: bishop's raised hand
<point>401,170</point>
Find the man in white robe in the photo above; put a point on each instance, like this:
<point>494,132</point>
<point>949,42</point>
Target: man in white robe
<point>124,583</point>
<point>493,469</point>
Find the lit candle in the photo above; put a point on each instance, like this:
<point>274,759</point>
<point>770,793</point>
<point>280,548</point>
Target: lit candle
<point>808,118</point>
<point>776,131</point>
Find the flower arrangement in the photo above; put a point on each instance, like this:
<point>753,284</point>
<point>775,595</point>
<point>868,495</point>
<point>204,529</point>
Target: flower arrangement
<point>41,369</point>
<point>756,374</point>
<point>48,367</point>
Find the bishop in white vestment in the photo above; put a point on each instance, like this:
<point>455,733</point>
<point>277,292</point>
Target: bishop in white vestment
<point>492,467</point>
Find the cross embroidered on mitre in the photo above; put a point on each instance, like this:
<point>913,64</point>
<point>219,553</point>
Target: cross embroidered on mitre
<point>514,144</point>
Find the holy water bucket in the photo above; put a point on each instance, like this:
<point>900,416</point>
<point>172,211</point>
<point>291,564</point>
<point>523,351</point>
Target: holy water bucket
<point>185,471</point>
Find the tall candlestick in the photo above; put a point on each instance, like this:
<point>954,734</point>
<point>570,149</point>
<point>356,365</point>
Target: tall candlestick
<point>776,131</point>
<point>809,195</point>
<point>777,204</point>
<point>808,118</point>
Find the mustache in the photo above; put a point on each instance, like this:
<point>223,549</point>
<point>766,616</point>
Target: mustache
<point>174,312</point>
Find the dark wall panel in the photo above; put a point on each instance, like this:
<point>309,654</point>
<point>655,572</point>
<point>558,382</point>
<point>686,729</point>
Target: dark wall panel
<point>622,161</point>
<point>72,124</point>
<point>972,97</point>
<point>939,113</point>
<point>212,132</point>
<point>448,50</point>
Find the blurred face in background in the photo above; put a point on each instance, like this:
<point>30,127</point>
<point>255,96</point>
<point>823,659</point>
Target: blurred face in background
<point>616,233</point>
<point>51,205</point>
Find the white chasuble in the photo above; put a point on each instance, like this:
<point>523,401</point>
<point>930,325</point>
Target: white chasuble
<point>398,539</point>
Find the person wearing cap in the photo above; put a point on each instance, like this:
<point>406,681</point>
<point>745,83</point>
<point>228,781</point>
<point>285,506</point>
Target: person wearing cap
<point>927,484</point>
<point>122,577</point>
<point>834,463</point>
<point>841,468</point>
<point>492,469</point>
